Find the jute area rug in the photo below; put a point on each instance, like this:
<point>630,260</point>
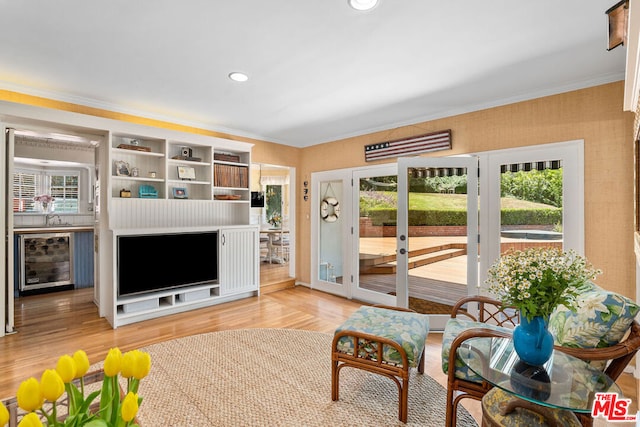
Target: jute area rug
<point>274,377</point>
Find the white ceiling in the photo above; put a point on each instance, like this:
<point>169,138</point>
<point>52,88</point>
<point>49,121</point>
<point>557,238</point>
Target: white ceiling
<point>319,70</point>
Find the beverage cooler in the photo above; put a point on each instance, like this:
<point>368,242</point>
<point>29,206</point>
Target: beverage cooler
<point>46,260</point>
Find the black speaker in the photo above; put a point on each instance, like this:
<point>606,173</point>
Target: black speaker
<point>186,151</point>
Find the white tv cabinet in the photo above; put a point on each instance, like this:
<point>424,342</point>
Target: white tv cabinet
<point>238,272</point>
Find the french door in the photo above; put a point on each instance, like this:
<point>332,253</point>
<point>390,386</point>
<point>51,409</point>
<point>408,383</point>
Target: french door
<point>362,253</point>
<point>555,173</point>
<point>437,241</point>
<point>408,234</point>
<point>330,228</point>
<point>374,199</point>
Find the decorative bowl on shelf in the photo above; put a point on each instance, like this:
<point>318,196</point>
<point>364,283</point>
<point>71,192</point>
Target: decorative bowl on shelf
<point>227,197</point>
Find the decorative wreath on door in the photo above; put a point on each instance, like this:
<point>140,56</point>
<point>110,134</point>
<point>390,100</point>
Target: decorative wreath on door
<point>329,207</point>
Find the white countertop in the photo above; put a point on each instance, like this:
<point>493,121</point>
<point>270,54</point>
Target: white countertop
<point>52,229</point>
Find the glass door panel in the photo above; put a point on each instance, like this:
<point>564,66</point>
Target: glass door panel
<point>375,235</point>
<point>330,263</point>
<point>531,197</point>
<point>437,237</point>
<point>328,224</point>
<point>531,205</point>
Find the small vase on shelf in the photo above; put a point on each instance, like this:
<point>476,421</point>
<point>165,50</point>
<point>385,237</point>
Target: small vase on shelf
<point>532,340</point>
<point>46,207</point>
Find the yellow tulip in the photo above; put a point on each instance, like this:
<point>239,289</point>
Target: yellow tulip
<point>128,361</point>
<point>129,406</point>
<point>51,385</point>
<point>30,420</point>
<point>113,362</point>
<point>4,415</point>
<point>142,364</point>
<point>66,367</point>
<point>82,363</point>
<point>29,395</point>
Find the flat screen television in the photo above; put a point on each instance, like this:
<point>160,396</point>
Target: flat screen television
<point>153,262</point>
<point>257,199</point>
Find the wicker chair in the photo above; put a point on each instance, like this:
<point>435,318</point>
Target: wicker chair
<point>499,323</point>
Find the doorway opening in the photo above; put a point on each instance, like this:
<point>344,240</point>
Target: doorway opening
<point>51,213</point>
<point>273,210</point>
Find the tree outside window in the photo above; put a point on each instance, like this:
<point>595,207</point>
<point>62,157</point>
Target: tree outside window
<point>274,205</point>
<point>64,188</point>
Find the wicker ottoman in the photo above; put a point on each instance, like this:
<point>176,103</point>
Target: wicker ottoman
<point>383,340</point>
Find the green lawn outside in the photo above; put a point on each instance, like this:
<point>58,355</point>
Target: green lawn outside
<point>437,201</point>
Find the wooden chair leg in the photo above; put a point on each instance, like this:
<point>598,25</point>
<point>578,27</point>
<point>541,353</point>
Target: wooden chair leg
<point>403,398</point>
<point>450,415</point>
<point>335,380</point>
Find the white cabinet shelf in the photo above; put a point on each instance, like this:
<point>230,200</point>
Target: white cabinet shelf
<point>156,304</point>
<point>220,175</point>
<point>222,162</point>
<point>137,178</point>
<point>182,182</point>
<point>188,162</point>
<point>126,152</point>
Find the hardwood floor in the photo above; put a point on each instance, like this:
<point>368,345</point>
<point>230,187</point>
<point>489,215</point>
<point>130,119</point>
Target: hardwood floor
<point>60,323</point>
<point>275,277</point>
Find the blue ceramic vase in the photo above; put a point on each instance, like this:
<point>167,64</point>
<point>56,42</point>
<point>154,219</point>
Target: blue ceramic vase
<point>532,340</point>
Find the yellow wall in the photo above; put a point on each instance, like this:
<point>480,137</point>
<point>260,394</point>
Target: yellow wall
<point>593,114</point>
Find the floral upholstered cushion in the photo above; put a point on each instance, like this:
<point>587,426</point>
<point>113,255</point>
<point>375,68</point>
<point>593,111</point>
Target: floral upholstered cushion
<point>407,329</point>
<point>601,320</point>
<point>452,329</point>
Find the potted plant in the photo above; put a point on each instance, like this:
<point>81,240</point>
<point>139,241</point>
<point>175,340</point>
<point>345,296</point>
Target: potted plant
<point>41,399</point>
<point>536,281</point>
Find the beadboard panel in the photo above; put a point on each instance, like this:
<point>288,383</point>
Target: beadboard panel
<point>238,266</point>
<point>169,213</point>
<point>83,263</point>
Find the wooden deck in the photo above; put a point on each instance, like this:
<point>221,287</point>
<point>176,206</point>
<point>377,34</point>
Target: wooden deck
<point>425,289</point>
<point>437,267</point>
<point>386,264</point>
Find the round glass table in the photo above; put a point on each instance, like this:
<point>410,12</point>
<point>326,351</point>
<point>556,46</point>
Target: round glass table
<point>564,382</point>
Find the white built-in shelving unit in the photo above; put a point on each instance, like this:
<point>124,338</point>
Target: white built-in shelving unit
<point>215,192</point>
<point>166,185</point>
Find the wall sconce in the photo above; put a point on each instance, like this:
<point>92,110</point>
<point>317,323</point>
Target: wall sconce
<point>618,17</point>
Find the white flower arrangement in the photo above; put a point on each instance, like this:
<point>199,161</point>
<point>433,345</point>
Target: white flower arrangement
<point>537,280</point>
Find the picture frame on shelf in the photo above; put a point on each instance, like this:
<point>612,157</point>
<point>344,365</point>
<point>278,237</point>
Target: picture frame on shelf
<point>180,193</point>
<point>122,168</point>
<point>186,172</point>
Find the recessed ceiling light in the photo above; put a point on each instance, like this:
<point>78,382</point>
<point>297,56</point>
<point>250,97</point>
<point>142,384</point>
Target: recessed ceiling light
<point>363,4</point>
<point>237,76</point>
